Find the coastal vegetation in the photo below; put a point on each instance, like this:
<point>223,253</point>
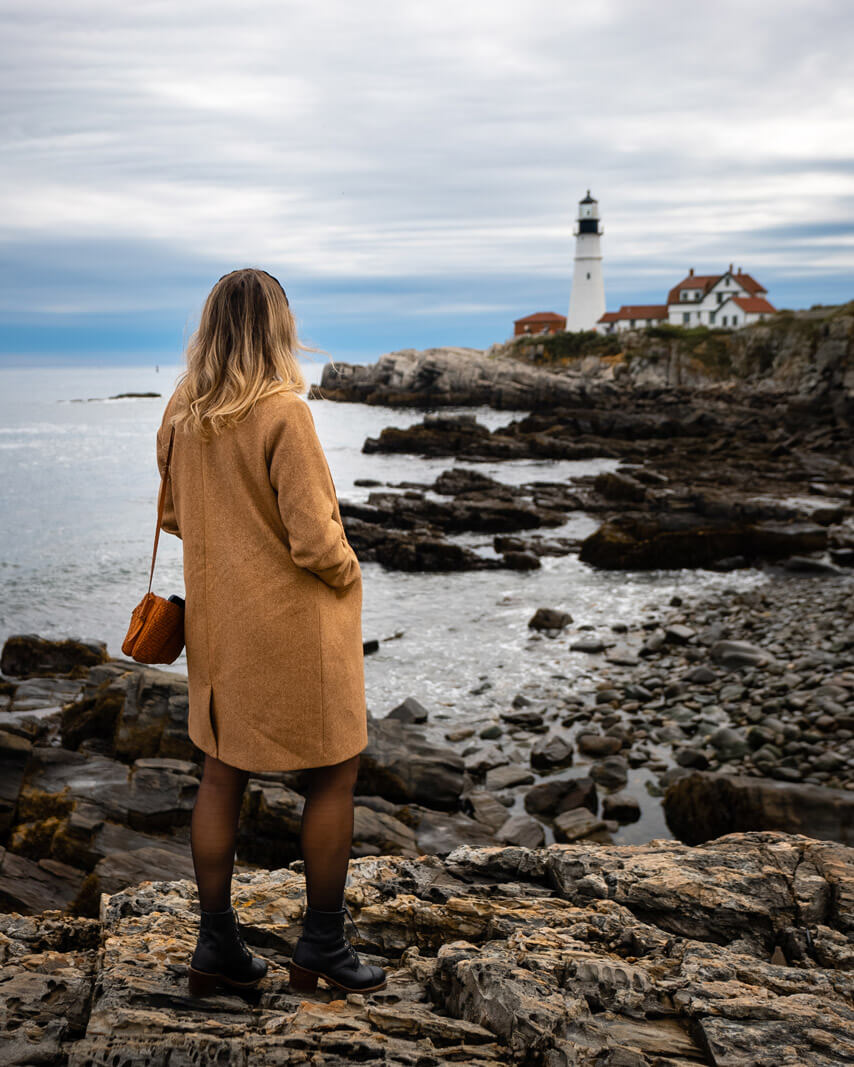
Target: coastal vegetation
<point>751,352</point>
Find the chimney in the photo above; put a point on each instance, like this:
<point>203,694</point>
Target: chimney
<point>691,273</point>
<point>730,268</point>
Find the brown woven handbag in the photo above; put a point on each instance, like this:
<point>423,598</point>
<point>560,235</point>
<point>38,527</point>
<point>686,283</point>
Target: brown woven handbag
<point>156,631</point>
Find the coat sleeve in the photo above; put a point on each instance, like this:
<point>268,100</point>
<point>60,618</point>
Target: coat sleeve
<point>307,500</point>
<point>170,520</point>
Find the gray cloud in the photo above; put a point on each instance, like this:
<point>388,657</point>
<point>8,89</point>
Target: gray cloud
<point>344,144</point>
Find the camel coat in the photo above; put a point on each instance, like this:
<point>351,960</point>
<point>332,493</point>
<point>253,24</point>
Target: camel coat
<point>273,592</point>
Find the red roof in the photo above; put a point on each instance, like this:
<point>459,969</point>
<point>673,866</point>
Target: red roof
<point>753,303</point>
<point>705,282</point>
<point>636,311</point>
<point>542,316</point>
<point>693,281</point>
<point>643,311</point>
<point>750,284</point>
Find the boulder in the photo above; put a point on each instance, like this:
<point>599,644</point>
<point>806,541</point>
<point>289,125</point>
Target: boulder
<point>269,828</point>
<point>551,751</point>
<point>620,806</point>
<point>123,869</point>
<point>376,833</point>
<point>596,745</point>
<point>157,796</point>
<point>485,808</point>
<point>572,825</point>
<point>734,654</point>
<point>409,711</point>
<point>528,719</point>
<point>555,795</point>
<point>483,760</point>
<point>705,805</point>
<point>507,775</point>
<point>616,486</point>
<point>663,540</point>
<point>520,561</point>
<point>401,766</point>
<point>14,757</point>
<point>96,711</point>
<point>439,832</point>
<point>522,830</point>
<point>27,654</point>
<point>729,743</point>
<point>153,719</point>
<point>549,619</point>
<point>611,772</point>
<point>29,886</point>
<point>589,644</point>
<point>463,480</point>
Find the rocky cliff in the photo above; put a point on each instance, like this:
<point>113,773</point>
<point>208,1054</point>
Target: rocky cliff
<point>737,952</point>
<point>810,354</point>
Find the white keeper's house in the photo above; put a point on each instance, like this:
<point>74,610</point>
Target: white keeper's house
<point>727,300</point>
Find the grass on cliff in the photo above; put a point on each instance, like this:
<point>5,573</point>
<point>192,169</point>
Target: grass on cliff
<point>559,349</point>
<point>708,346</point>
<point>714,349</point>
<point>564,347</point>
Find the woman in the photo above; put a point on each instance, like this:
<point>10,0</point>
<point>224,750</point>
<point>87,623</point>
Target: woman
<point>272,622</point>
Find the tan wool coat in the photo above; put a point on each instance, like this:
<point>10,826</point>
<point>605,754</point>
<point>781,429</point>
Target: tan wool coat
<point>273,592</point>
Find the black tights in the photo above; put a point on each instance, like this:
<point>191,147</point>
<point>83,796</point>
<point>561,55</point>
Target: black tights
<point>326,834</point>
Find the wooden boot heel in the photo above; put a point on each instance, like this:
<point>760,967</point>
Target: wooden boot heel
<point>202,984</point>
<point>301,980</point>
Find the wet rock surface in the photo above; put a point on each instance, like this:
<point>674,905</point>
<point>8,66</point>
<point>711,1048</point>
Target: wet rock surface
<point>758,474</point>
<point>406,527</point>
<point>737,951</point>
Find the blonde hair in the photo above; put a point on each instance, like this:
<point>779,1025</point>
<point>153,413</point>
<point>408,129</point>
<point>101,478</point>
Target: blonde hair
<point>245,348</point>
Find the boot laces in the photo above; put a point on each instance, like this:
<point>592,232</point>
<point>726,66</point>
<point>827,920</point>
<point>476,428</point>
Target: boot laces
<point>244,948</point>
<point>354,954</point>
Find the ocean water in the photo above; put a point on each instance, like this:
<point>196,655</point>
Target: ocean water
<point>78,494</point>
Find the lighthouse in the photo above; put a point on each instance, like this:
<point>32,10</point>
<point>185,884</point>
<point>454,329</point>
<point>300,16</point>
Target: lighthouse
<point>587,299</point>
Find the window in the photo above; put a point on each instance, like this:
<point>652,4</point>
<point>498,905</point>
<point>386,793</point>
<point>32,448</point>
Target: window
<point>683,295</point>
<point>631,324</point>
<point>711,318</point>
<point>720,298</point>
<point>686,317</point>
<point>588,275</point>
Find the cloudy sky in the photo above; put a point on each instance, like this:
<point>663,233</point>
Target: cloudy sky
<point>409,171</point>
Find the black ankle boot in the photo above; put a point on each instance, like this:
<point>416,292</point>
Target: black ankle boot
<point>323,951</point>
<point>222,956</point>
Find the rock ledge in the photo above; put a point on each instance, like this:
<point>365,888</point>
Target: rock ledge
<point>739,951</point>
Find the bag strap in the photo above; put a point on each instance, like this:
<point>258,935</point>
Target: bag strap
<point>160,503</point>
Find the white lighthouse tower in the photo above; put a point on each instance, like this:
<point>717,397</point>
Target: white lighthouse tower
<point>587,299</point>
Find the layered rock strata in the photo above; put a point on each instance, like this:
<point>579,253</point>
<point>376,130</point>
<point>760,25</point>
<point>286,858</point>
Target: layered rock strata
<point>739,951</point>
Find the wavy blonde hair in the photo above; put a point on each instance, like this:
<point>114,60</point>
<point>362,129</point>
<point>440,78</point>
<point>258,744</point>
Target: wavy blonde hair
<point>245,348</point>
